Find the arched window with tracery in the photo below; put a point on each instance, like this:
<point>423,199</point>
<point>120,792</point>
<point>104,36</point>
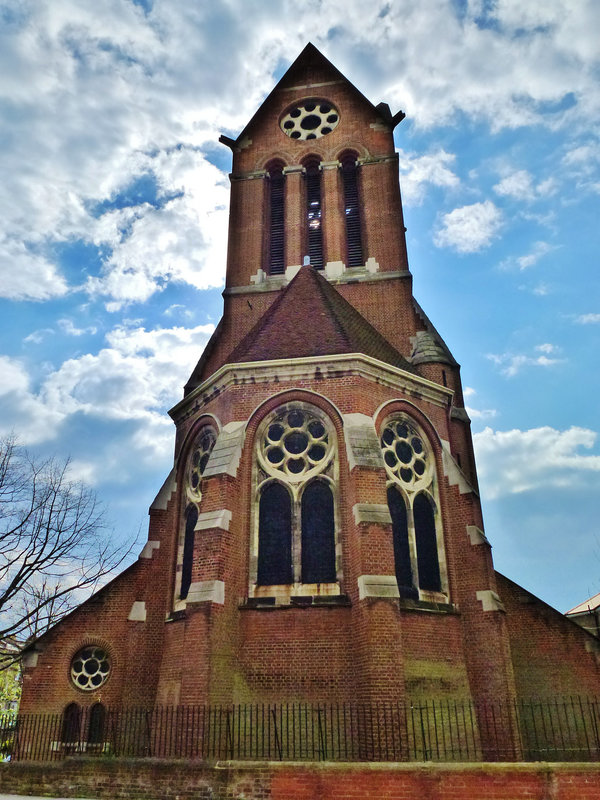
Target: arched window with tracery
<point>296,477</point>
<point>419,557</point>
<point>195,466</point>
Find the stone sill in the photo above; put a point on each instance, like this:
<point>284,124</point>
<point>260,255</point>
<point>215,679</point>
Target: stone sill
<point>297,601</point>
<point>407,604</point>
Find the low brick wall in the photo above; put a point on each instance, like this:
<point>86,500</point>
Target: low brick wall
<point>176,780</point>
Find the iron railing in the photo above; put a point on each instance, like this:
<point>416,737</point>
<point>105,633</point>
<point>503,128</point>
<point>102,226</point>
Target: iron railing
<point>565,729</point>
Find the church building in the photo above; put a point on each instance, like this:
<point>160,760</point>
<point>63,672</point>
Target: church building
<point>320,536</point>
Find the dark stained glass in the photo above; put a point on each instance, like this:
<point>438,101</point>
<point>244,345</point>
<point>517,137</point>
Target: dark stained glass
<point>426,541</point>
<point>71,722</point>
<point>96,725</point>
<point>188,551</point>
<point>402,564</point>
<point>274,536</point>
<point>318,534</point>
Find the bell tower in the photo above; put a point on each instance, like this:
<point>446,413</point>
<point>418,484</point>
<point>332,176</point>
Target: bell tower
<point>332,545</point>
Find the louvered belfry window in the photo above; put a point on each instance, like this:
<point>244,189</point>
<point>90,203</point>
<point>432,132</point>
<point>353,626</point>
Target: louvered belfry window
<point>314,217</point>
<point>277,217</point>
<point>352,211</point>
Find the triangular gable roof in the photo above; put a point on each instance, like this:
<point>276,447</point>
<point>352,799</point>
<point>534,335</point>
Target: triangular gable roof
<point>311,57</point>
<point>311,318</point>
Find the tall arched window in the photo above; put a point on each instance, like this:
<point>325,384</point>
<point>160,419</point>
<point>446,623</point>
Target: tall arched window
<point>276,243</point>
<point>402,560</point>
<point>296,473</point>
<point>318,534</point>
<point>426,542</point>
<point>96,724</point>
<point>275,536</point>
<point>195,465</point>
<point>314,213</point>
<point>71,724</point>
<point>416,525</point>
<point>352,211</point>
<point>191,518</point>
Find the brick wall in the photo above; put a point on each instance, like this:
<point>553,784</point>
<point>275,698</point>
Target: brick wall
<point>167,780</point>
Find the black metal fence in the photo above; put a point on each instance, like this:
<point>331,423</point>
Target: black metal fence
<point>560,730</point>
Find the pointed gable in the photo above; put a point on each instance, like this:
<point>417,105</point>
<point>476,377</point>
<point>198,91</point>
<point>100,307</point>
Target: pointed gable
<point>311,318</point>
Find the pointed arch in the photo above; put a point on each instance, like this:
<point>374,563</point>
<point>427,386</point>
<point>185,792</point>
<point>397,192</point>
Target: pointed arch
<point>274,536</point>
<point>350,180</point>
<point>314,211</point>
<point>428,564</point>
<point>96,724</point>
<point>318,533</point>
<point>191,518</point>
<point>276,202</point>
<point>402,560</point>
<point>71,724</point>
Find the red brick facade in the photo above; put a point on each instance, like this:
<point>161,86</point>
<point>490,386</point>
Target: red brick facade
<point>232,640</point>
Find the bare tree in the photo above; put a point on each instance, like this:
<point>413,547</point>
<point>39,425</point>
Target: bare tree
<point>55,548</point>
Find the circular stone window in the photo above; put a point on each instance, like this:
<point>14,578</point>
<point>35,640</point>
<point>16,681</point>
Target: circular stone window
<point>404,452</point>
<point>198,460</point>
<point>90,668</point>
<point>296,443</point>
<point>310,119</point>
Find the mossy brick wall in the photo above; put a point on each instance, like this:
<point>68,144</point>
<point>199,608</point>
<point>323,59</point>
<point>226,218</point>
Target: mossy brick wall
<point>168,780</point>
<point>552,656</point>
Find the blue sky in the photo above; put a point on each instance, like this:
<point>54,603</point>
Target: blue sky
<point>114,201</point>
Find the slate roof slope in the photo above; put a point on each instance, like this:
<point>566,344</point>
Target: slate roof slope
<point>311,318</point>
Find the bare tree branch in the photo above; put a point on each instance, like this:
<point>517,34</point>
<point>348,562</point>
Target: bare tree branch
<point>55,548</point>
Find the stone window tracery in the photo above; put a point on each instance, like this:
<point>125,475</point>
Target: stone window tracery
<point>296,476</point>
<point>412,500</point>
<point>90,668</point>
<point>197,461</point>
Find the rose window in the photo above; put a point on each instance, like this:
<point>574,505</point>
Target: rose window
<point>404,452</point>
<point>198,461</point>
<point>310,119</point>
<point>296,443</point>
<point>90,668</point>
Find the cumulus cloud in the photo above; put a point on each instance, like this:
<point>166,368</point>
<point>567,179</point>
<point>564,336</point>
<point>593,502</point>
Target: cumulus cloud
<point>520,185</point>
<point>27,275</point>
<point>512,363</point>
<point>419,172</point>
<point>515,461</point>
<point>470,228</point>
<point>128,385</point>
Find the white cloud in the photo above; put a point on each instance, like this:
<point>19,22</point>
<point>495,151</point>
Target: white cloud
<point>477,413</point>
<point>27,275</point>
<point>130,384</point>
<point>470,228</point>
<point>520,185</point>
<point>538,251</point>
<point>419,172</point>
<point>512,363</point>
<point>68,326</point>
<point>511,462</point>
<point>588,319</point>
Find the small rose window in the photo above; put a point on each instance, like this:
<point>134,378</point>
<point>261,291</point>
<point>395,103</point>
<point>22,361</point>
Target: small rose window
<point>198,460</point>
<point>296,443</point>
<point>404,453</point>
<point>90,668</point>
<point>310,119</point>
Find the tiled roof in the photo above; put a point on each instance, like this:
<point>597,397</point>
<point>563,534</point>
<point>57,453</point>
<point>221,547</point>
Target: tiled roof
<point>311,318</point>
